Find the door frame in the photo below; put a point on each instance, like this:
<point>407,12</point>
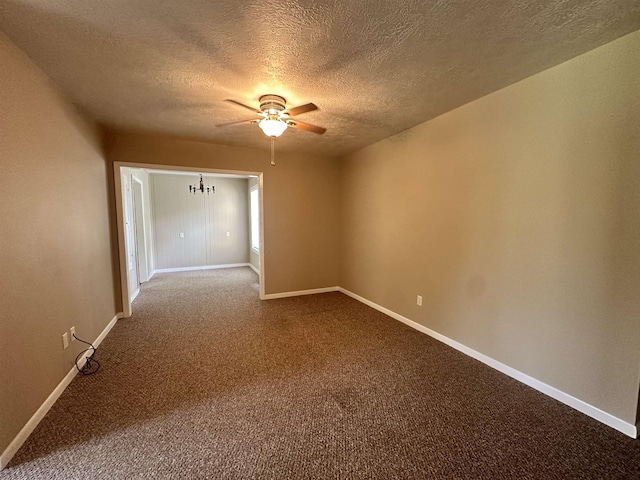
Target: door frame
<point>139,227</point>
<point>129,237</point>
<point>122,250</point>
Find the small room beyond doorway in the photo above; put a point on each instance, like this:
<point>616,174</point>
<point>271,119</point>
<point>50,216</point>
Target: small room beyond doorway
<point>177,220</point>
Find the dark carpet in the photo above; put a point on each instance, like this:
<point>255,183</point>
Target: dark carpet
<point>207,381</point>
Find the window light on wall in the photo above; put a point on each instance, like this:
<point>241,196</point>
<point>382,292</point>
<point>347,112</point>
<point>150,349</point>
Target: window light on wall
<point>255,218</point>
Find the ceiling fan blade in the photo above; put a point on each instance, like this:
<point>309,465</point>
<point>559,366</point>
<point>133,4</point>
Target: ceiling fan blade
<point>307,107</point>
<point>306,126</point>
<point>240,104</point>
<point>237,123</point>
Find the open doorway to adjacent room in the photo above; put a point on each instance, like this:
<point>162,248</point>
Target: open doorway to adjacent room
<point>173,219</point>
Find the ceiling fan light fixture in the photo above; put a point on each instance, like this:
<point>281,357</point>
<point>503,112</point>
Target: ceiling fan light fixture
<point>274,117</point>
<point>272,126</point>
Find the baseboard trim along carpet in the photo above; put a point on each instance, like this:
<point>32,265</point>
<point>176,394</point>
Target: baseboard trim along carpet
<point>272,296</point>
<point>254,269</point>
<point>202,267</point>
<point>594,412</point>
<point>33,422</point>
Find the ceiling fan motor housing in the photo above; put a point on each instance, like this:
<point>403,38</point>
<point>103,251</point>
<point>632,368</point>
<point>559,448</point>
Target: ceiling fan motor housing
<point>272,104</point>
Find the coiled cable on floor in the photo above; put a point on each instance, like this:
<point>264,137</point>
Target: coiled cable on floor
<point>91,365</point>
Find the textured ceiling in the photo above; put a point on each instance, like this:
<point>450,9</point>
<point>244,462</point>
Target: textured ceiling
<point>374,67</point>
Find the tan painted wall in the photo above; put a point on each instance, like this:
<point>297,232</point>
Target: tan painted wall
<point>55,251</point>
<point>517,218</point>
<point>300,196</point>
<point>203,219</point>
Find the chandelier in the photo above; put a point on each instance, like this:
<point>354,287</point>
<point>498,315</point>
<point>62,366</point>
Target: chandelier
<point>209,189</point>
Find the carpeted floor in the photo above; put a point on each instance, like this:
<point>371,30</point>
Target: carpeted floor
<point>207,381</point>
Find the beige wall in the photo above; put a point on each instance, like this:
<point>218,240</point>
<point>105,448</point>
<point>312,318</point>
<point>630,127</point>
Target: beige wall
<point>517,218</point>
<point>55,251</point>
<point>203,219</point>
<point>300,195</point>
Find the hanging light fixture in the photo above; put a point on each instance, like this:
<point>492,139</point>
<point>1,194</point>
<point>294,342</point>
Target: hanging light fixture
<point>272,125</point>
<point>209,189</point>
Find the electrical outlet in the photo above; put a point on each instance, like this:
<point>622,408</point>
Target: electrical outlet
<point>419,300</point>
<point>73,333</point>
<point>65,340</point>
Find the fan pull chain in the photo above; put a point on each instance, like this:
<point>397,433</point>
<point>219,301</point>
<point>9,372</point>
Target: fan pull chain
<point>273,149</point>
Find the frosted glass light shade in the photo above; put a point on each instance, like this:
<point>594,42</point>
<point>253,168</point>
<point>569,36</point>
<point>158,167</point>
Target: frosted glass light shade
<point>272,127</point>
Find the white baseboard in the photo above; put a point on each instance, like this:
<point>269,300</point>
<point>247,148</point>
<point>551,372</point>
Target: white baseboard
<point>254,269</point>
<point>272,296</point>
<point>203,267</point>
<point>594,412</point>
<point>33,422</point>
<point>107,329</point>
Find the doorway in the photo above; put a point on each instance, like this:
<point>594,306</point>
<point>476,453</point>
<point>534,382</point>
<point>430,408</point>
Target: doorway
<point>138,236</point>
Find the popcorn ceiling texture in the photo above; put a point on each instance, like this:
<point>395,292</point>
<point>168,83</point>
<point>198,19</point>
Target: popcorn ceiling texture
<point>375,68</point>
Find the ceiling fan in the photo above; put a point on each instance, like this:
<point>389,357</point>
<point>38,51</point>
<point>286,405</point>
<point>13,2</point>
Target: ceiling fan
<point>274,117</point>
